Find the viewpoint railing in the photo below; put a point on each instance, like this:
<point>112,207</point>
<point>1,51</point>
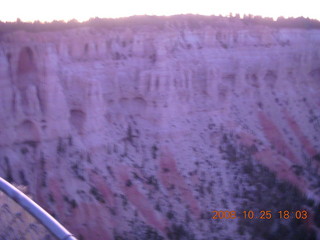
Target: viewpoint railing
<point>22,219</point>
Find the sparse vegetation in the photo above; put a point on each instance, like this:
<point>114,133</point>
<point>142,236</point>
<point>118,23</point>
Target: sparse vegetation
<point>177,232</point>
<point>193,21</point>
<point>257,188</point>
<point>97,195</point>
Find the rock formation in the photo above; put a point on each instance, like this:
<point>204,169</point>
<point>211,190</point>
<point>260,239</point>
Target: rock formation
<point>140,133</point>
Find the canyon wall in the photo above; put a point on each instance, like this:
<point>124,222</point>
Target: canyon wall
<point>142,133</point>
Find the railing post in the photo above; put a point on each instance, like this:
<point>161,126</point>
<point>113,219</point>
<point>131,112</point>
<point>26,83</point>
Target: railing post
<point>36,211</point>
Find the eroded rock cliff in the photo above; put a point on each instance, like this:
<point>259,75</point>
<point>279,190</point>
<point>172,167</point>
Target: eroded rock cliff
<point>140,133</point>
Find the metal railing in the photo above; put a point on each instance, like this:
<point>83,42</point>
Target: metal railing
<point>22,219</point>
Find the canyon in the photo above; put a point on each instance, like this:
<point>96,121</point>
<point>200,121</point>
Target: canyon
<point>140,132</point>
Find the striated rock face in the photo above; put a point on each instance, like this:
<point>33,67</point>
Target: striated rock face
<point>141,134</point>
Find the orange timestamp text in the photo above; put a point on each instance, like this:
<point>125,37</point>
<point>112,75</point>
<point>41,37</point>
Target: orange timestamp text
<point>298,214</point>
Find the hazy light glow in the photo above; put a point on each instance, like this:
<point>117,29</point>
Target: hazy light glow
<point>44,10</point>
